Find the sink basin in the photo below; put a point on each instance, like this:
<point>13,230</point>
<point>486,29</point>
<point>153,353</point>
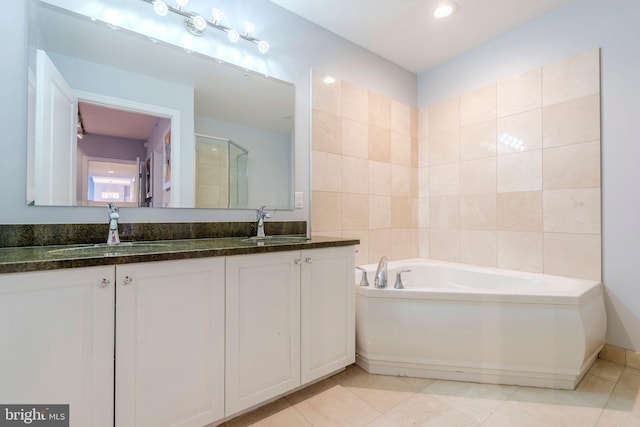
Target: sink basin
<point>276,239</point>
<point>103,248</point>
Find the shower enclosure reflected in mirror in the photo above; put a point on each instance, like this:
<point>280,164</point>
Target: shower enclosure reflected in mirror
<point>221,173</point>
<point>99,76</point>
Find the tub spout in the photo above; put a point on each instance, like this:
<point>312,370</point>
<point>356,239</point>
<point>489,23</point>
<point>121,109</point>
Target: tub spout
<point>381,274</point>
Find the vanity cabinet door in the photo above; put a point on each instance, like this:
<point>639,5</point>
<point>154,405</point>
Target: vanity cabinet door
<point>56,335</point>
<point>170,343</point>
<point>327,311</point>
<point>263,328</point>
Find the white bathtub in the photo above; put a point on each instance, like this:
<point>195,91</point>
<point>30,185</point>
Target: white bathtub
<point>459,322</point>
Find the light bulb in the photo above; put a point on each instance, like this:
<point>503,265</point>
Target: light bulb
<point>233,35</point>
<point>263,46</point>
<point>217,15</point>
<point>160,7</point>
<point>199,23</point>
<point>249,27</point>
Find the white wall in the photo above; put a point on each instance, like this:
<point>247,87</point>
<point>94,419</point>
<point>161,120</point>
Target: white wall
<point>296,47</point>
<point>583,25</point>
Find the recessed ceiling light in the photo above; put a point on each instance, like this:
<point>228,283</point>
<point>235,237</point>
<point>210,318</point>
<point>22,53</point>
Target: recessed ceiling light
<point>445,9</point>
<point>329,80</point>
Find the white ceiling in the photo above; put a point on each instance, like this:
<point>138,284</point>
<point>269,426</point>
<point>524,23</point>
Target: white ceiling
<point>405,32</point>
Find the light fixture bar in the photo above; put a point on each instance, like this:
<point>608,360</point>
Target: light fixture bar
<point>196,25</point>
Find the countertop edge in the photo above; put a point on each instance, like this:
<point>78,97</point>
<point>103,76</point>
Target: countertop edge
<point>119,259</point>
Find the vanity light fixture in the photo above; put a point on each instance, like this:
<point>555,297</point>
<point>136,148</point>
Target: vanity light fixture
<point>445,9</point>
<point>197,24</point>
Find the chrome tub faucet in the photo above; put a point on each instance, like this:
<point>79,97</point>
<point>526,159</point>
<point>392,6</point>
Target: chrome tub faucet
<point>381,274</point>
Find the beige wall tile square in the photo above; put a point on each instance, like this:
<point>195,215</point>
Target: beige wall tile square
<point>400,149</point>
<point>520,132</point>
<point>478,106</point>
<point>423,212</point>
<point>326,132</point>
<point>379,212</point>
<point>415,206</point>
<point>379,110</point>
<point>379,144</point>
<point>423,243</point>
<point>444,212</point>
<point>400,118</point>
<point>423,152</point>
<point>519,93</point>
<point>401,180</point>
<point>379,178</point>
<point>326,211</point>
<point>478,212</point>
<point>443,147</point>
<point>327,171</point>
<point>573,255</point>
<point>401,212</point>
<point>423,122</point>
<point>520,171</point>
<point>415,190</point>
<point>571,78</point>
<point>479,247</point>
<point>572,211</point>
<point>423,182</point>
<point>355,103</point>
<point>415,123</point>
<point>571,122</point>
<point>355,139</point>
<point>519,211</point>
<point>414,151</point>
<point>355,175</point>
<point>444,116</point>
<point>362,250</point>
<point>326,97</point>
<point>444,180</point>
<point>478,141</point>
<point>571,166</point>
<point>401,246</point>
<point>444,244</point>
<point>379,245</point>
<point>519,250</point>
<point>478,176</point>
<point>355,211</point>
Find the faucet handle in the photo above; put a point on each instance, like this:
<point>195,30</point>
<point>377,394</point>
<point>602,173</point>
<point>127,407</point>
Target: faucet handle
<point>364,281</point>
<point>399,284</point>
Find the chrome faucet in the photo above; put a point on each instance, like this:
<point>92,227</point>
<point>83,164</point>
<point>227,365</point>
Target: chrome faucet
<point>113,238</point>
<point>261,215</point>
<point>363,281</point>
<point>399,284</point>
<point>381,274</point>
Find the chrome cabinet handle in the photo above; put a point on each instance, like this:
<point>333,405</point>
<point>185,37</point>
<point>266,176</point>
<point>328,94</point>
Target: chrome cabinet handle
<point>103,283</point>
<point>297,261</point>
<point>127,280</point>
<point>307,260</point>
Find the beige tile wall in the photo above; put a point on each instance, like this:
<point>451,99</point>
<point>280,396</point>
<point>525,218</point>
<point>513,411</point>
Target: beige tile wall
<point>509,174</point>
<point>364,170</point>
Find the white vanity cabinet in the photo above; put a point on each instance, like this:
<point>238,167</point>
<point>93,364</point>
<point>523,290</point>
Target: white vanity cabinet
<point>170,343</point>
<point>327,311</point>
<point>263,328</point>
<point>290,320</point>
<point>56,341</point>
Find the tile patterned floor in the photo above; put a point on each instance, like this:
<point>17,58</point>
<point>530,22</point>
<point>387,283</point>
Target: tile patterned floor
<point>608,396</point>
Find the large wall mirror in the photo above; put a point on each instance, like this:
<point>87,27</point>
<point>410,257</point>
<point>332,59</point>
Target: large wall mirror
<point>115,116</point>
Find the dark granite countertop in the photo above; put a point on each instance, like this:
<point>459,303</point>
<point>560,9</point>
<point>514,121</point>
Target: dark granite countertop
<point>36,258</point>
